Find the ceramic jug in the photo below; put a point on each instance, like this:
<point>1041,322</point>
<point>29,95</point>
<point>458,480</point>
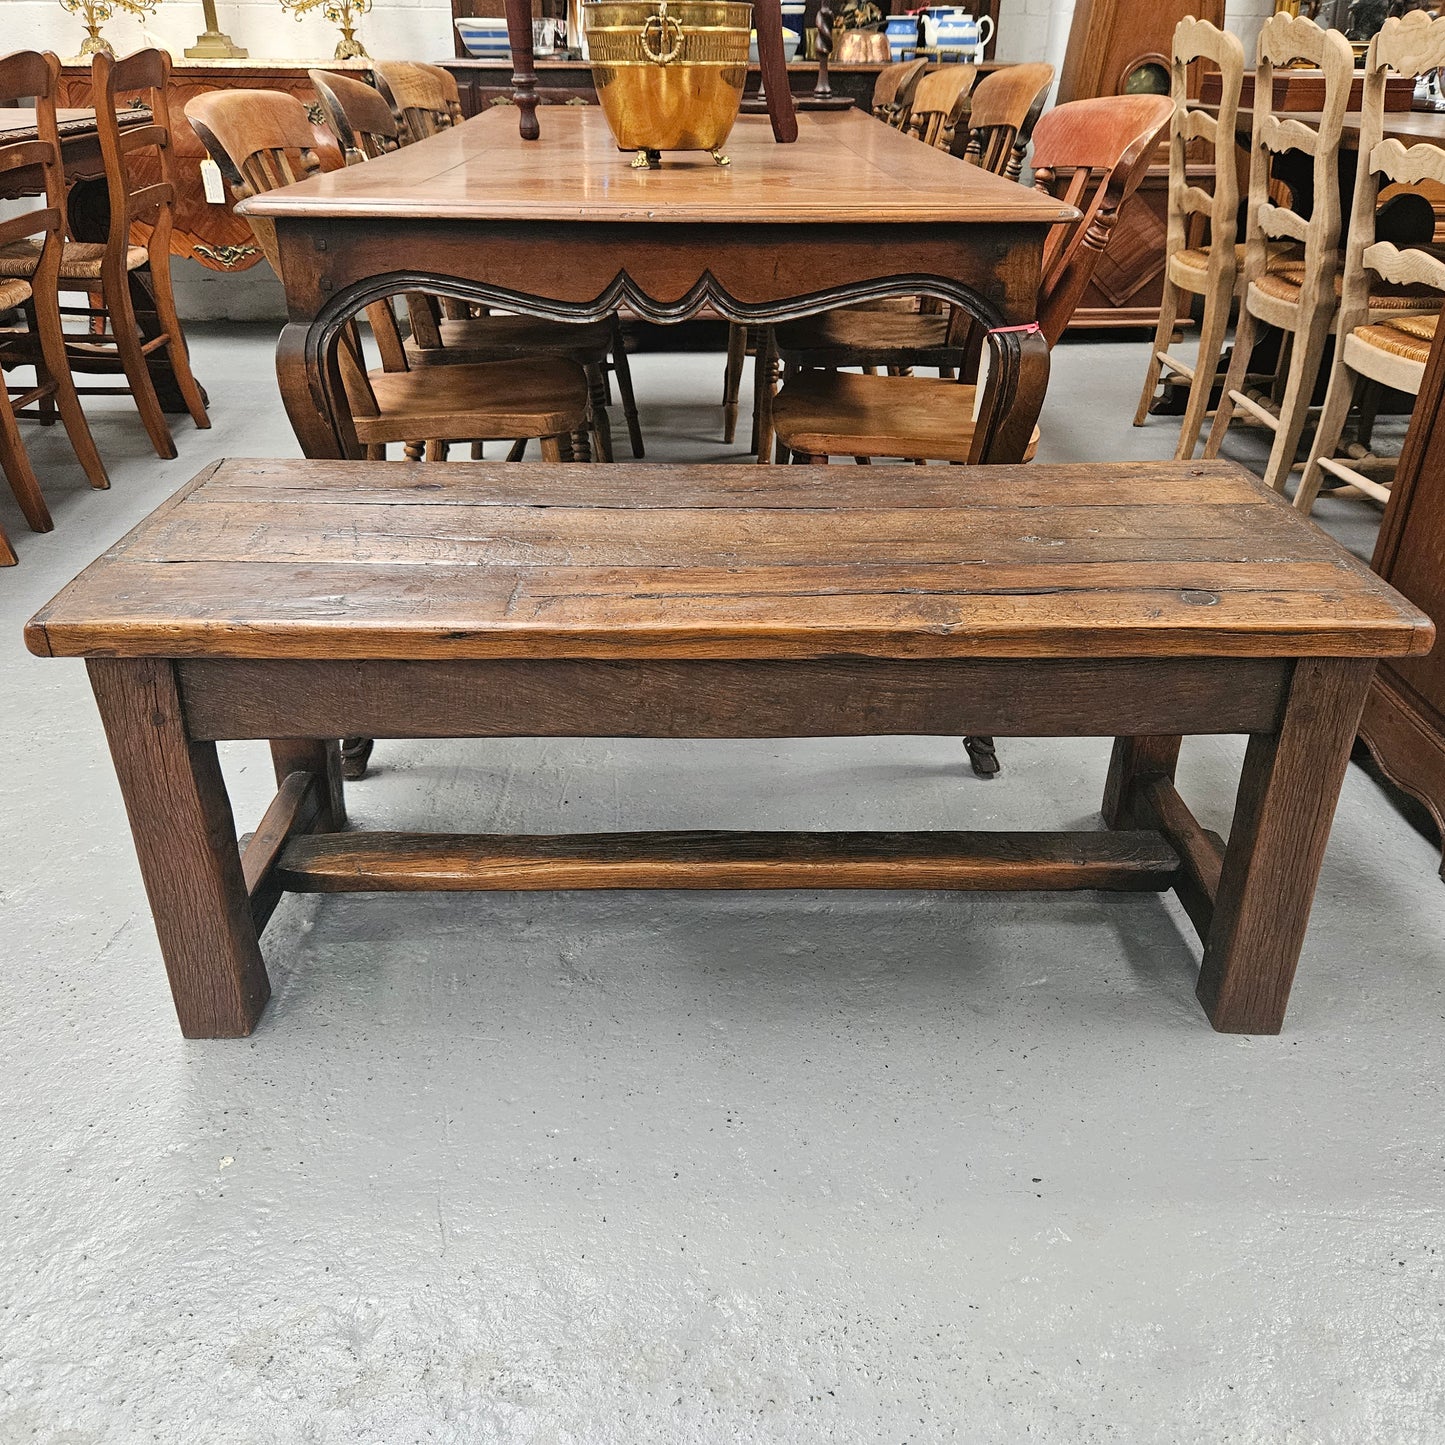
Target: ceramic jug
<point>949,28</point>
<point>902,32</point>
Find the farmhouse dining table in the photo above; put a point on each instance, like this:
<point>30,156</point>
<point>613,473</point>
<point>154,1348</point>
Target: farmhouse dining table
<point>564,227</point>
<point>296,601</point>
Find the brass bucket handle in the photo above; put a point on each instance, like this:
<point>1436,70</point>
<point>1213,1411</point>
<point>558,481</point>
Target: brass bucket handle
<point>660,36</point>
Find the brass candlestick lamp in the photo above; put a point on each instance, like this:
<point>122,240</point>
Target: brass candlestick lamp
<point>213,43</point>
<point>343,13</point>
<point>95,13</point>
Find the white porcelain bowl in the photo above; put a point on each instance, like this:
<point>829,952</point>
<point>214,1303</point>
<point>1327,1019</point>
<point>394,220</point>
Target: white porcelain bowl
<point>792,39</point>
<point>485,37</point>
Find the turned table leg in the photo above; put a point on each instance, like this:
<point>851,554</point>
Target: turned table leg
<point>524,69</point>
<point>185,840</point>
<point>1287,795</point>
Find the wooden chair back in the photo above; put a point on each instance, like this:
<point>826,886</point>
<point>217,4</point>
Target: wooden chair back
<point>893,91</point>
<point>1194,41</point>
<point>31,78</point>
<point>1003,110</point>
<point>939,102</point>
<point>139,169</point>
<point>358,113</point>
<point>1091,154</point>
<point>423,98</point>
<point>262,140</point>
<point>1411,45</point>
<point>1284,39</point>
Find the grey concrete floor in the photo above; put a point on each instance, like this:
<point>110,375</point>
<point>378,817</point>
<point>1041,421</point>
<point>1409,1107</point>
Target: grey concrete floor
<point>700,1167</point>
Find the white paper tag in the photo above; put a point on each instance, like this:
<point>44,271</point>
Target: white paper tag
<point>215,187</point>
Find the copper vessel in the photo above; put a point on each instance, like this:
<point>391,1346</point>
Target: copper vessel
<point>669,73</point>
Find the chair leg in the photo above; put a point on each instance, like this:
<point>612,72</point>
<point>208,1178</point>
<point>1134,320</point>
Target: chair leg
<point>982,756</point>
<point>126,330</point>
<point>1294,407</point>
<point>1211,346</point>
<point>176,350</point>
<point>7,552</point>
<point>1234,380</point>
<point>765,382</point>
<point>16,465</point>
<point>597,400</point>
<point>355,753</point>
<point>1369,394</point>
<point>1163,335</point>
<point>623,369</point>
<point>1327,435</point>
<point>733,379</point>
<point>45,322</point>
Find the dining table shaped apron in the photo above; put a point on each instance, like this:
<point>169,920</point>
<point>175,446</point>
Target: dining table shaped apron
<point>302,601</point>
<point>565,227</point>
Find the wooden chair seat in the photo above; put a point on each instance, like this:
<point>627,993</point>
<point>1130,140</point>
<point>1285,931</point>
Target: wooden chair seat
<point>1196,259</point>
<point>824,413</point>
<point>485,401</point>
<point>13,293</point>
<point>1409,337</point>
<point>1286,280</point>
<point>79,260</point>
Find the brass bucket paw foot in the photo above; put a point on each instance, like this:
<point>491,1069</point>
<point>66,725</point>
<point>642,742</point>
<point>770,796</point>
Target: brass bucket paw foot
<point>647,160</point>
<point>720,159</point>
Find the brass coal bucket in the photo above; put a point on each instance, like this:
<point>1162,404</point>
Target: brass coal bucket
<point>669,73</point>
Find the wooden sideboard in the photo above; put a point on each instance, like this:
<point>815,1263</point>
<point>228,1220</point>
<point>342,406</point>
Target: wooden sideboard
<point>484,83</point>
<point>1404,721</point>
<point>204,232</point>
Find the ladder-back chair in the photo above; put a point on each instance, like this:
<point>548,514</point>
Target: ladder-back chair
<point>1300,297</point>
<point>34,78</point>
<point>132,282</point>
<point>1211,268</point>
<point>1388,349</point>
<point>262,140</point>
<point>1003,110</point>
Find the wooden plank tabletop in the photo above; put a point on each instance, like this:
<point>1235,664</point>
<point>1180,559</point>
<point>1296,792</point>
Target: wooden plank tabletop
<point>371,560</point>
<point>844,167</point>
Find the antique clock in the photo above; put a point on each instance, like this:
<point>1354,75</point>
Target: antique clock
<point>1122,47</point>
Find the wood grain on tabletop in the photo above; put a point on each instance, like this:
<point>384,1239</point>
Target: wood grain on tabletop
<point>844,167</point>
<point>341,559</point>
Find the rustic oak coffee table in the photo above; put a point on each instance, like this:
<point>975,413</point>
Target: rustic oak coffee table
<point>302,601</point>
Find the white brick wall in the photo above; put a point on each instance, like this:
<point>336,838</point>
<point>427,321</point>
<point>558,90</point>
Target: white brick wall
<point>419,29</point>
